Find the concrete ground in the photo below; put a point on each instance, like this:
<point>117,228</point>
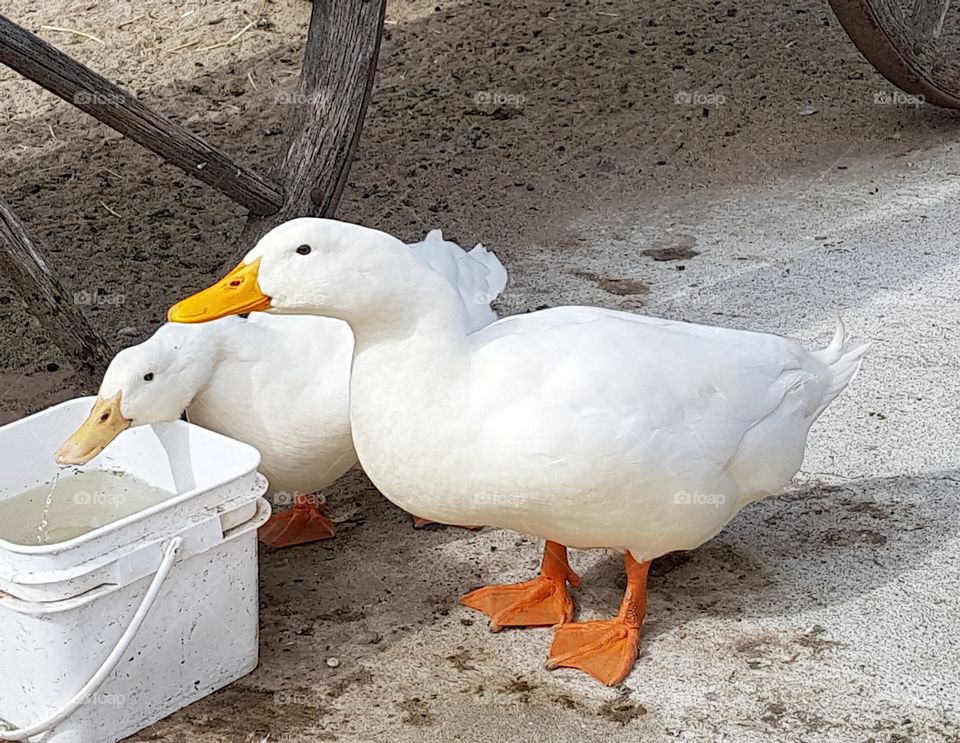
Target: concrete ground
<point>825,614</point>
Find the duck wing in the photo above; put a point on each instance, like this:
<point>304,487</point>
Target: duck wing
<point>682,402</point>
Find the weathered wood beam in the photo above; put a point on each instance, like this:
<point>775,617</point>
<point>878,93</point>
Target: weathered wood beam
<point>23,264</point>
<point>62,75</point>
<point>339,65</point>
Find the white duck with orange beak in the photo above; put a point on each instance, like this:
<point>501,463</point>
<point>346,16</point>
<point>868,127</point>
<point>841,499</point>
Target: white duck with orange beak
<point>587,427</point>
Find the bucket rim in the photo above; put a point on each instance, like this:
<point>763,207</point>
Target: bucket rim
<point>83,539</point>
<point>36,607</point>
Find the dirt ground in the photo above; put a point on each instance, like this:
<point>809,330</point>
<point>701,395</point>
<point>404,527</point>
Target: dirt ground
<point>589,126</point>
<point>544,130</point>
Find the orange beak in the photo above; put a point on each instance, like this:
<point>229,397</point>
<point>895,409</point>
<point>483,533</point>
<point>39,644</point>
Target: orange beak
<point>236,293</point>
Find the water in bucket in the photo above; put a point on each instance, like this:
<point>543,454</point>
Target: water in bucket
<point>74,504</point>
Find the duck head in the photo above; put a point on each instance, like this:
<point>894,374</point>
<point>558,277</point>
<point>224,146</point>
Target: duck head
<point>314,267</point>
<point>153,382</point>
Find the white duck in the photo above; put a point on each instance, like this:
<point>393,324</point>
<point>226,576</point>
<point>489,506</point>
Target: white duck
<point>280,384</point>
<point>587,427</point>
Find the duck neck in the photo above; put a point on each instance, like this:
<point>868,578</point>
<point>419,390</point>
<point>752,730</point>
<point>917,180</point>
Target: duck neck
<point>409,345</point>
<point>429,312</point>
<point>201,350</point>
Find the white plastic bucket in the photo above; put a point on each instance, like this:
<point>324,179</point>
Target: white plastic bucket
<point>105,634</point>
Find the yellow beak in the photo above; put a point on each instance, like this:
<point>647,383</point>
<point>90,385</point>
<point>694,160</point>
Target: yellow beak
<point>236,293</point>
<point>101,427</point>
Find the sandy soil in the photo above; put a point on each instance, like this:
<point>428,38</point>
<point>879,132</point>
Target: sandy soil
<point>616,124</point>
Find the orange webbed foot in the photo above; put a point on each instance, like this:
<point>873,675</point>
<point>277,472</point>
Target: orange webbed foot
<point>302,524</point>
<point>606,649</point>
<point>541,602</point>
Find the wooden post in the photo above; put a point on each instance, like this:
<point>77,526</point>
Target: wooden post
<point>62,75</point>
<point>22,262</point>
<point>339,65</point>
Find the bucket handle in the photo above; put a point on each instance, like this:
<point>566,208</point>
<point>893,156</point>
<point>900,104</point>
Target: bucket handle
<point>91,687</point>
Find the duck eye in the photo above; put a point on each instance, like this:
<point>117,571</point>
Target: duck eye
<point>304,250</point>
<point>148,377</point>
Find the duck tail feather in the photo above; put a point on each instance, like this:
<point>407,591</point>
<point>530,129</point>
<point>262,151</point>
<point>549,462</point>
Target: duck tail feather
<point>843,358</point>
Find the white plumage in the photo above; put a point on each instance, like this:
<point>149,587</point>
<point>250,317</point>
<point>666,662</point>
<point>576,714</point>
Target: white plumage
<point>581,425</point>
<point>587,427</point>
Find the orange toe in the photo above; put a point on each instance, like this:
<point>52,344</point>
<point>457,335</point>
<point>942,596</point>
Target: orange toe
<point>302,524</point>
<point>606,649</point>
<point>541,602</point>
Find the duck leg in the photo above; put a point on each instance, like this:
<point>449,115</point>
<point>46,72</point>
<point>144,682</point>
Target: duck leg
<point>301,524</point>
<point>606,649</point>
<point>543,601</point>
